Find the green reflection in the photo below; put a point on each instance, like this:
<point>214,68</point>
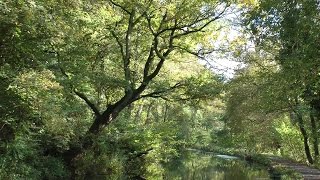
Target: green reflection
<point>200,166</point>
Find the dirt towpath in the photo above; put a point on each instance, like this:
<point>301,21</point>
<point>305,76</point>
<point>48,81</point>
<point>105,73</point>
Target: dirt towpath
<point>307,172</point>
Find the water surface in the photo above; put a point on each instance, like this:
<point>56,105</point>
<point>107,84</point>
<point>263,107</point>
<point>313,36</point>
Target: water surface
<point>205,166</point>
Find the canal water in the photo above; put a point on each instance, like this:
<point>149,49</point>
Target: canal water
<point>193,165</point>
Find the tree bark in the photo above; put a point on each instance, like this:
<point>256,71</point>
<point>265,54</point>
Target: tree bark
<point>87,141</point>
<point>314,134</point>
<point>305,138</point>
<point>315,105</point>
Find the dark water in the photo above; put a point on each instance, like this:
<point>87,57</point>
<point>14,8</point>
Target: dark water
<point>204,166</point>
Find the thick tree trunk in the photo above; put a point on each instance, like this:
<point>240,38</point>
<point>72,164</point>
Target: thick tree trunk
<point>305,138</point>
<point>87,141</point>
<point>314,134</point>
<point>100,122</point>
<point>315,105</point>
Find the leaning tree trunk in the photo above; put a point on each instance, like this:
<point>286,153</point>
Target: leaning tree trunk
<point>87,141</point>
<point>314,134</point>
<point>305,138</point>
<point>315,105</point>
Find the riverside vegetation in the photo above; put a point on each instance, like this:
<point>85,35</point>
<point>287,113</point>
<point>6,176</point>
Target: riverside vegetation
<point>114,88</point>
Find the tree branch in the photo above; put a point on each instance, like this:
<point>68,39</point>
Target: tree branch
<point>201,27</point>
<point>81,95</point>
<point>162,56</point>
<point>118,42</point>
<point>159,93</point>
<point>144,13</point>
<point>154,48</point>
<point>126,59</point>
<point>120,6</point>
<point>194,23</point>
<point>148,63</point>
<point>89,103</point>
<point>200,53</point>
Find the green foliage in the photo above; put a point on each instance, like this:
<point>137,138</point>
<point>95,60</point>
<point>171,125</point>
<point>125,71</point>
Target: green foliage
<point>279,80</point>
<point>291,143</point>
<point>23,158</point>
<point>65,65</point>
<point>158,129</point>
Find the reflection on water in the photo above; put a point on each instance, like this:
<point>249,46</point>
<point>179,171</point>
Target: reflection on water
<point>200,166</point>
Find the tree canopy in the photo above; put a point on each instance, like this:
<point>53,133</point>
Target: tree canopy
<point>118,88</point>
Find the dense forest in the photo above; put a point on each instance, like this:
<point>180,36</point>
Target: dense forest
<point>119,88</point>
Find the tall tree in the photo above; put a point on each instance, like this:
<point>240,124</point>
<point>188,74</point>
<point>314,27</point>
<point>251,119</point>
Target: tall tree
<point>288,28</point>
<point>134,42</point>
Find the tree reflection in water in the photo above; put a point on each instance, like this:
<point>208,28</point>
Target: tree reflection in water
<point>200,166</point>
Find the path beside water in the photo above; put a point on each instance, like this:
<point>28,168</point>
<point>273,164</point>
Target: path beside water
<point>307,172</point>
